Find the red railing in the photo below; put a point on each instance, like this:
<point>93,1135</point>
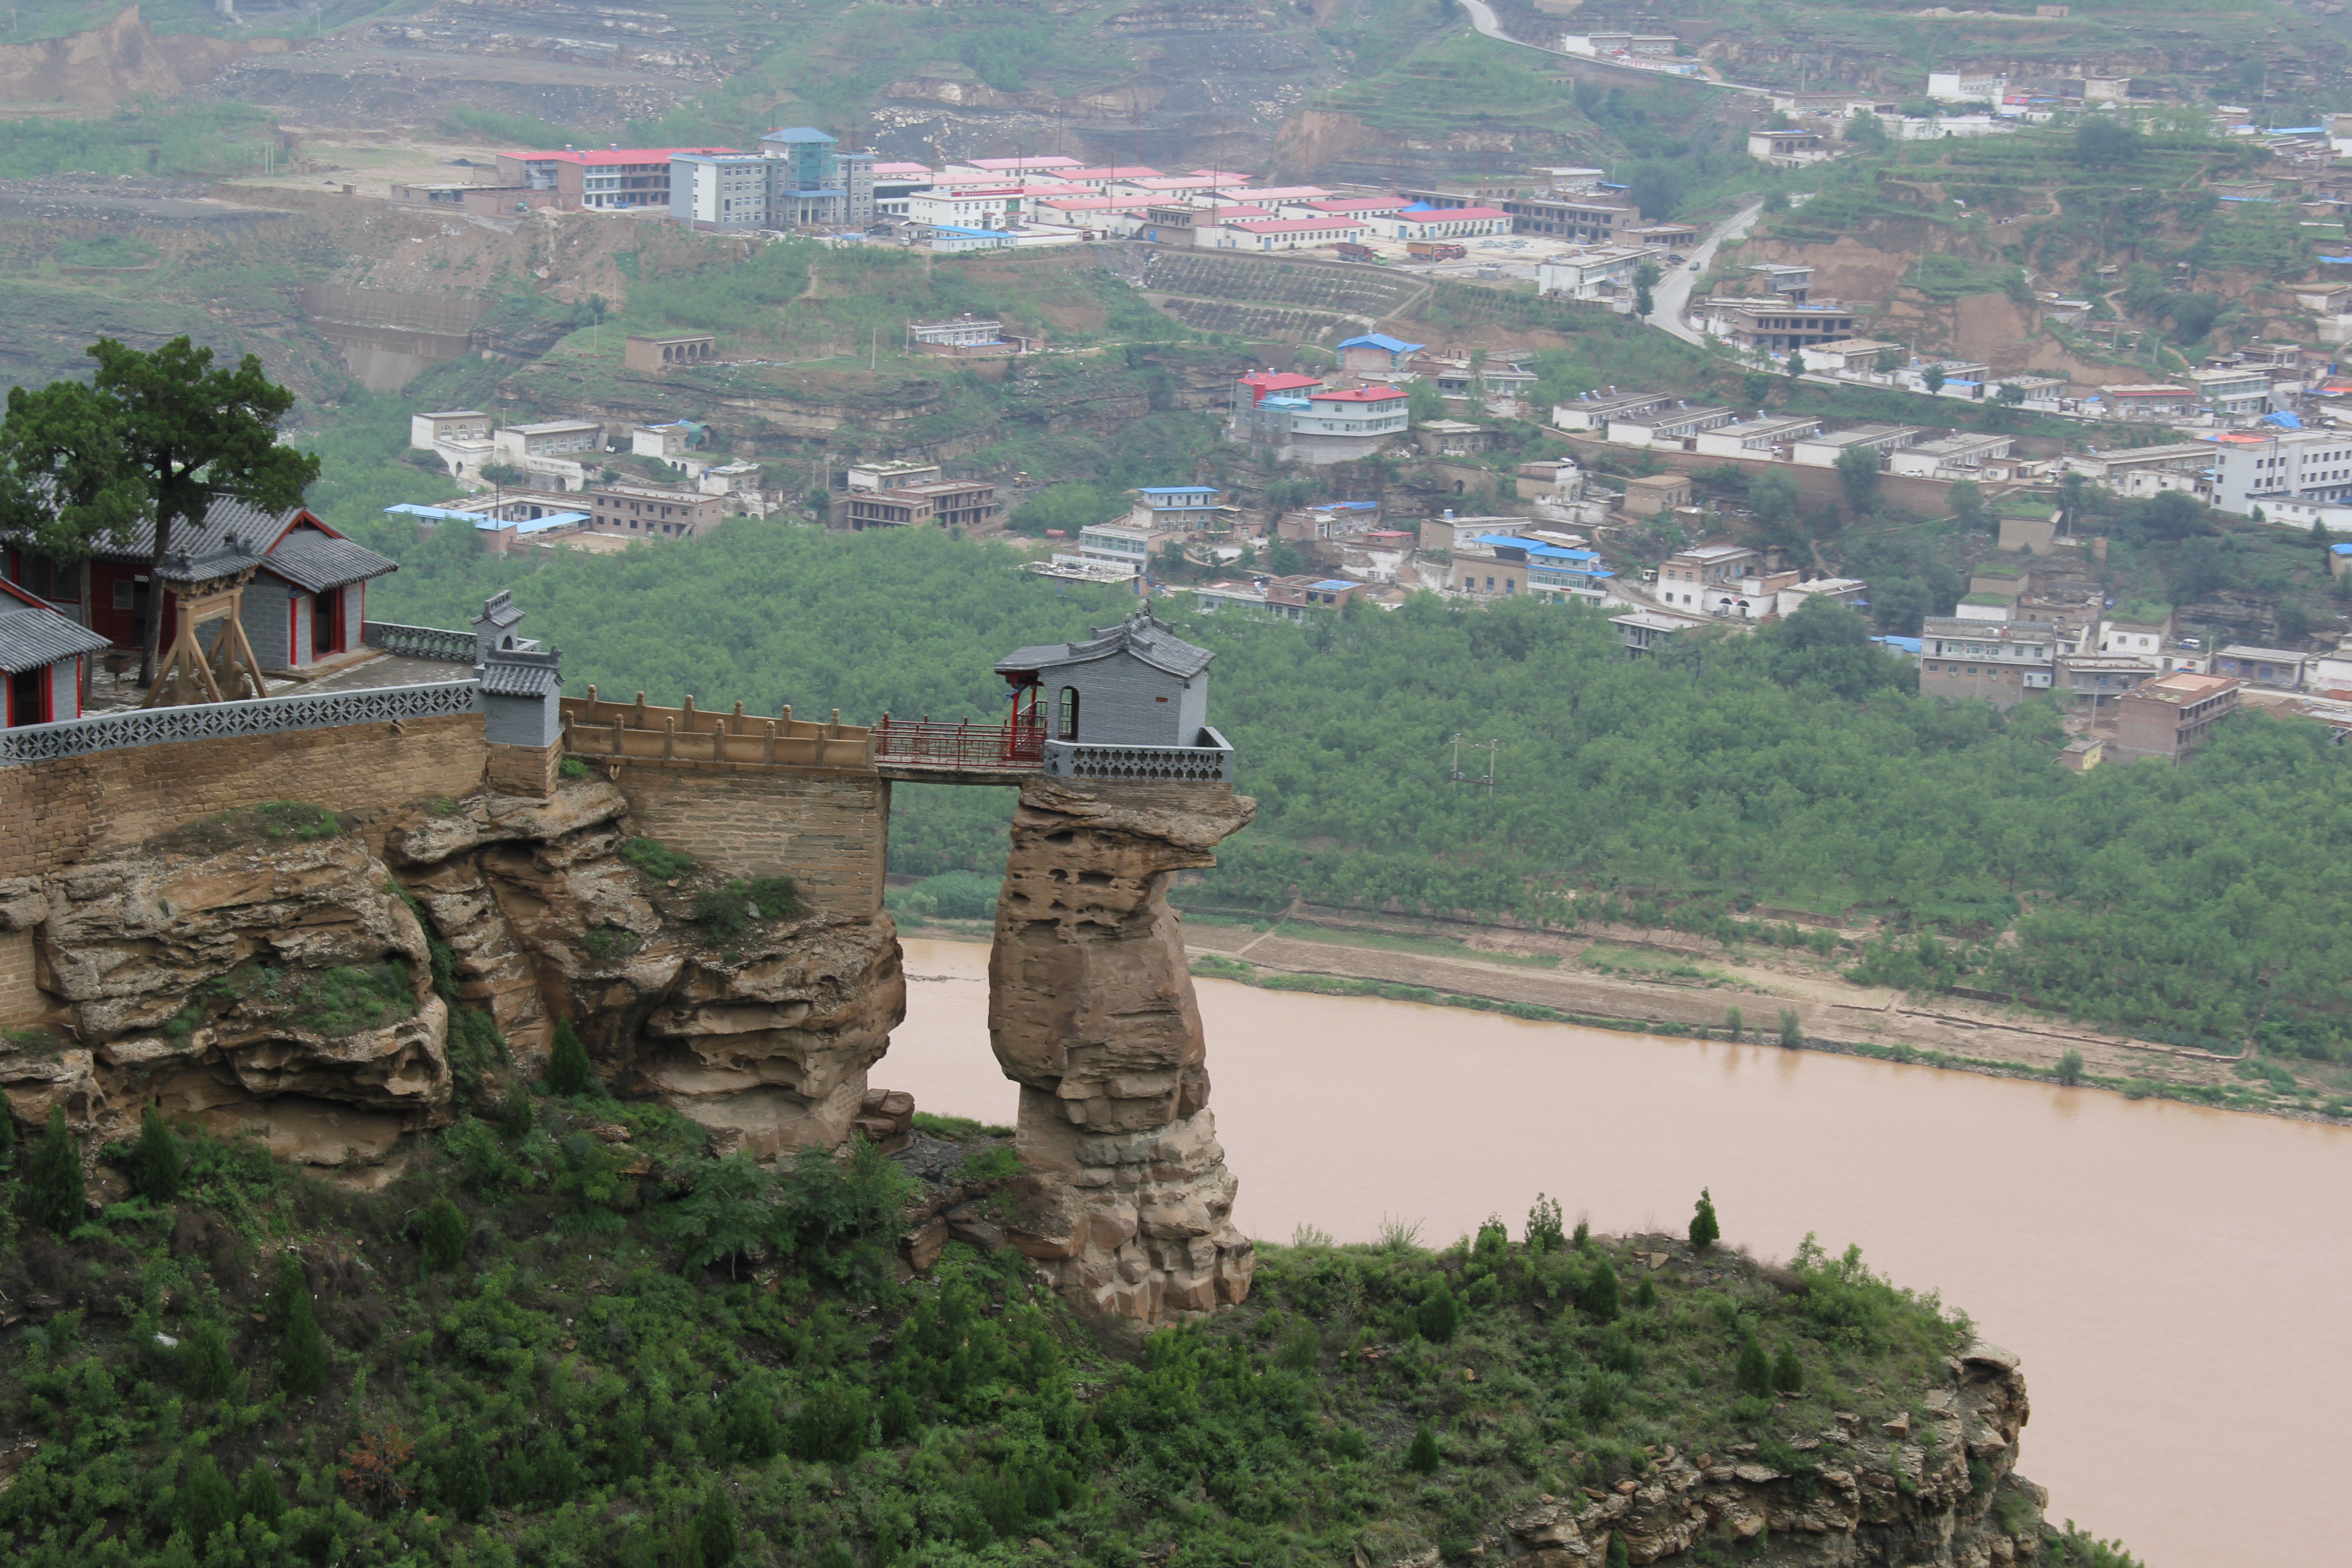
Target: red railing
<point>1014,745</point>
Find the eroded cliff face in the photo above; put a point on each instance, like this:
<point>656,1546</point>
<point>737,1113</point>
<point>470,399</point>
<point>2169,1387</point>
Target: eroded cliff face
<point>285,986</point>
<point>1128,1205</point>
<point>1901,1495</point>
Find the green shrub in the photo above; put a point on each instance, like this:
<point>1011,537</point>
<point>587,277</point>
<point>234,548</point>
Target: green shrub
<point>568,1072</point>
<point>53,1194</point>
<point>258,1499</point>
<point>301,1345</point>
<point>206,1364</point>
<point>1792,1029</point>
<point>1422,1458</point>
<point>1544,1232</point>
<point>206,1503</point>
<point>748,1420</point>
<point>899,1420</point>
<point>2070,1068</point>
<point>463,1477</point>
<point>442,1236</point>
<point>829,1426</point>
<point>657,861</point>
<point>1752,1371</point>
<point>1703,1230</point>
<point>728,909</point>
<point>1788,1372</point>
<point>156,1162</point>
<point>573,768</point>
<point>610,943</point>
<point>1439,1315</point>
<point>1599,1296</point>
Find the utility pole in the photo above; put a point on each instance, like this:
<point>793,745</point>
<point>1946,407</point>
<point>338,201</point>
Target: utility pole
<point>1461,778</point>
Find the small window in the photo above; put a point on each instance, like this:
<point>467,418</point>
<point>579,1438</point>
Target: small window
<point>1067,727</point>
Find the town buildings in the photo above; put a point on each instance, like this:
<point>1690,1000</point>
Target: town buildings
<point>1999,662</point>
<point>2169,717</point>
<point>658,511</point>
<point>950,503</point>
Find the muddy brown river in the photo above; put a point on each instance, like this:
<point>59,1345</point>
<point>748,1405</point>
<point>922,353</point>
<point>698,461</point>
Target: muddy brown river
<point>2169,1274</point>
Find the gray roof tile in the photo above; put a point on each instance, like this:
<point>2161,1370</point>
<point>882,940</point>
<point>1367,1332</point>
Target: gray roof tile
<point>31,638</point>
<point>1140,634</point>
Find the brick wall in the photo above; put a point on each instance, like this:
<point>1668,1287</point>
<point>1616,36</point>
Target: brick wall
<point>827,828</point>
<point>55,814</point>
<point>21,1002</point>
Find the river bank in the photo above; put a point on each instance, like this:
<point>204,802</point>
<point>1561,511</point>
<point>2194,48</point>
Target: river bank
<point>1674,983</point>
<point>2174,1305</point>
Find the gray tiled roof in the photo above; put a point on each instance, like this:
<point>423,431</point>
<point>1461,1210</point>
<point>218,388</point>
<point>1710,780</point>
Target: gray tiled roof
<point>31,638</point>
<point>1141,634</point>
<point>509,675</point>
<point>310,559</point>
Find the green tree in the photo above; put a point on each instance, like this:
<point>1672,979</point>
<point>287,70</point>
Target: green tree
<point>1866,132</point>
<point>1752,1371</point>
<point>716,1538</point>
<point>260,1500</point>
<point>54,1199</point>
<point>2101,142</point>
<point>8,1138</point>
<point>1966,501</point>
<point>206,1363</point>
<point>1423,402</point>
<point>442,1236</point>
<point>1788,1372</point>
<point>1732,1021</point>
<point>1703,1230</point>
<point>1284,559</point>
<point>301,1345</point>
<point>464,1474</point>
<point>1792,1029</point>
<point>1600,1297</point>
<point>1796,366</point>
<point>568,1069</point>
<point>1888,362</point>
<point>1645,1294</point>
<point>1546,1232</point>
<point>1773,496</point>
<point>1439,1315</point>
<point>1857,472</point>
<point>2069,1069</point>
<point>829,1426</point>
<point>748,1420</point>
<point>1932,378</point>
<point>1645,279</point>
<point>1422,1458</point>
<point>206,1502</point>
<point>2009,394</point>
<point>165,430</point>
<point>1756,386</point>
<point>156,1161</point>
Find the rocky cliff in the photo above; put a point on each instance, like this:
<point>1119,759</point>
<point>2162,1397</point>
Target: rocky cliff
<point>1129,1206</point>
<point>286,972</point>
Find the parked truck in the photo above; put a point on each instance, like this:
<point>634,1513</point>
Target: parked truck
<point>1348,250</point>
<point>1434,250</point>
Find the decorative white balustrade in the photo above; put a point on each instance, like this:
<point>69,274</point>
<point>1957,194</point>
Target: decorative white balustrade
<point>221,720</point>
<point>1209,764</point>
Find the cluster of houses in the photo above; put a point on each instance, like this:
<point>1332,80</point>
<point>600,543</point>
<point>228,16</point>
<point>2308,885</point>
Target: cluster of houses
<point>570,494</point>
<point>1663,422</point>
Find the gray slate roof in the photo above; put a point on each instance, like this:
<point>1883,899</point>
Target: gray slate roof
<point>31,638</point>
<point>521,675</point>
<point>310,559</point>
<point>1141,634</point>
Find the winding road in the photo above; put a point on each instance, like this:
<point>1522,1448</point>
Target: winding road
<point>1671,296</point>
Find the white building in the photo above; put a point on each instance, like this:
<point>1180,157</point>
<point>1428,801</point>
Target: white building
<point>458,437</point>
<point>1445,223</point>
<point>559,451</point>
<point>2309,471</point>
<point>983,207</point>
<point>1967,86</point>
<point>1111,544</point>
<point>1952,458</point>
<point>724,190</point>
<point>1823,451</point>
<point>2233,394</point>
<point>1603,272</point>
<point>1758,437</point>
<point>1279,234</point>
<point>1668,426</point>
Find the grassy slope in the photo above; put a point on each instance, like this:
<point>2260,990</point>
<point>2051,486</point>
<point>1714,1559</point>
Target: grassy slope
<point>608,1364</point>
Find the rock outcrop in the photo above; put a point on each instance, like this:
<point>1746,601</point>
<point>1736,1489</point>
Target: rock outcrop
<point>1898,1497</point>
<point>1127,1206</point>
<point>285,986</point>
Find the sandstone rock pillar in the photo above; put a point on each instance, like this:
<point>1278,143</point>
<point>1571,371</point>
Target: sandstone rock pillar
<point>1091,1011</point>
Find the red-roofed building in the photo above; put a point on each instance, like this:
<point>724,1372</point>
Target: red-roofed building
<point>1279,234</point>
<point>1351,207</point>
<point>1320,427</point>
<point>1266,383</point>
<point>1275,194</point>
<point>611,179</point>
<point>1038,161</point>
<point>1107,176</point>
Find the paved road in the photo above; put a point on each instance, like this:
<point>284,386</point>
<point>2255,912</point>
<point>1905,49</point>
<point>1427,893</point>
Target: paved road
<point>1671,296</point>
<point>1482,17</point>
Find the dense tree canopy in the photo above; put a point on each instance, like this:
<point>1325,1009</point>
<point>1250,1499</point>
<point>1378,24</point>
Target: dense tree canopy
<point>1795,768</point>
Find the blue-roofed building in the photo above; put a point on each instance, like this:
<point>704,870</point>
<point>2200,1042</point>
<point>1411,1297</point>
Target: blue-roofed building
<point>947,239</point>
<point>1535,566</point>
<point>1377,354</point>
<point>2340,560</point>
<point>1906,647</point>
<point>499,527</point>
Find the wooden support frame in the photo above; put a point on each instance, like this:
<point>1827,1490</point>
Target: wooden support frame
<point>187,674</point>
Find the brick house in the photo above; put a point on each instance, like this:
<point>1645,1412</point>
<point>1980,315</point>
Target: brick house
<point>2172,715</point>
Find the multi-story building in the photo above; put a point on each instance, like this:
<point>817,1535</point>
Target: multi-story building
<point>558,452</point>
<point>458,437</point>
<point>813,184</point>
<point>951,503</point>
<point>2304,467</point>
<point>2233,394</point>
<point>1305,423</point>
<point>2172,715</point>
<point>2274,669</point>
<point>652,511</point>
<point>1692,580</point>
<point>618,179</point>
<point>1776,325</point>
<point>1603,272</point>
<point>718,190</point>
<point>1999,662</point>
<point>883,476</point>
<point>1967,86</point>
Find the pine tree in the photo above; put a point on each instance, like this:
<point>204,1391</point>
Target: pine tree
<point>206,1502</point>
<point>206,1362</point>
<point>156,1161</point>
<point>515,1115</point>
<point>748,1417</point>
<point>53,1190</point>
<point>258,1499</point>
<point>1788,1372</point>
<point>444,1236</point>
<point>466,1478</point>
<point>1645,1295</point>
<point>900,1419</point>
<point>1422,1457</point>
<point>1600,1297</point>
<point>714,1537</point>
<point>8,1138</point>
<point>568,1072</point>
<point>1753,1373</point>
<point>1439,1315</point>
<point>301,1347</point>
<point>1703,1230</point>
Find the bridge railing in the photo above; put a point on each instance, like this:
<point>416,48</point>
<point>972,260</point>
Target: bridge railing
<point>418,642</point>
<point>594,727</point>
<point>1010,746</point>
